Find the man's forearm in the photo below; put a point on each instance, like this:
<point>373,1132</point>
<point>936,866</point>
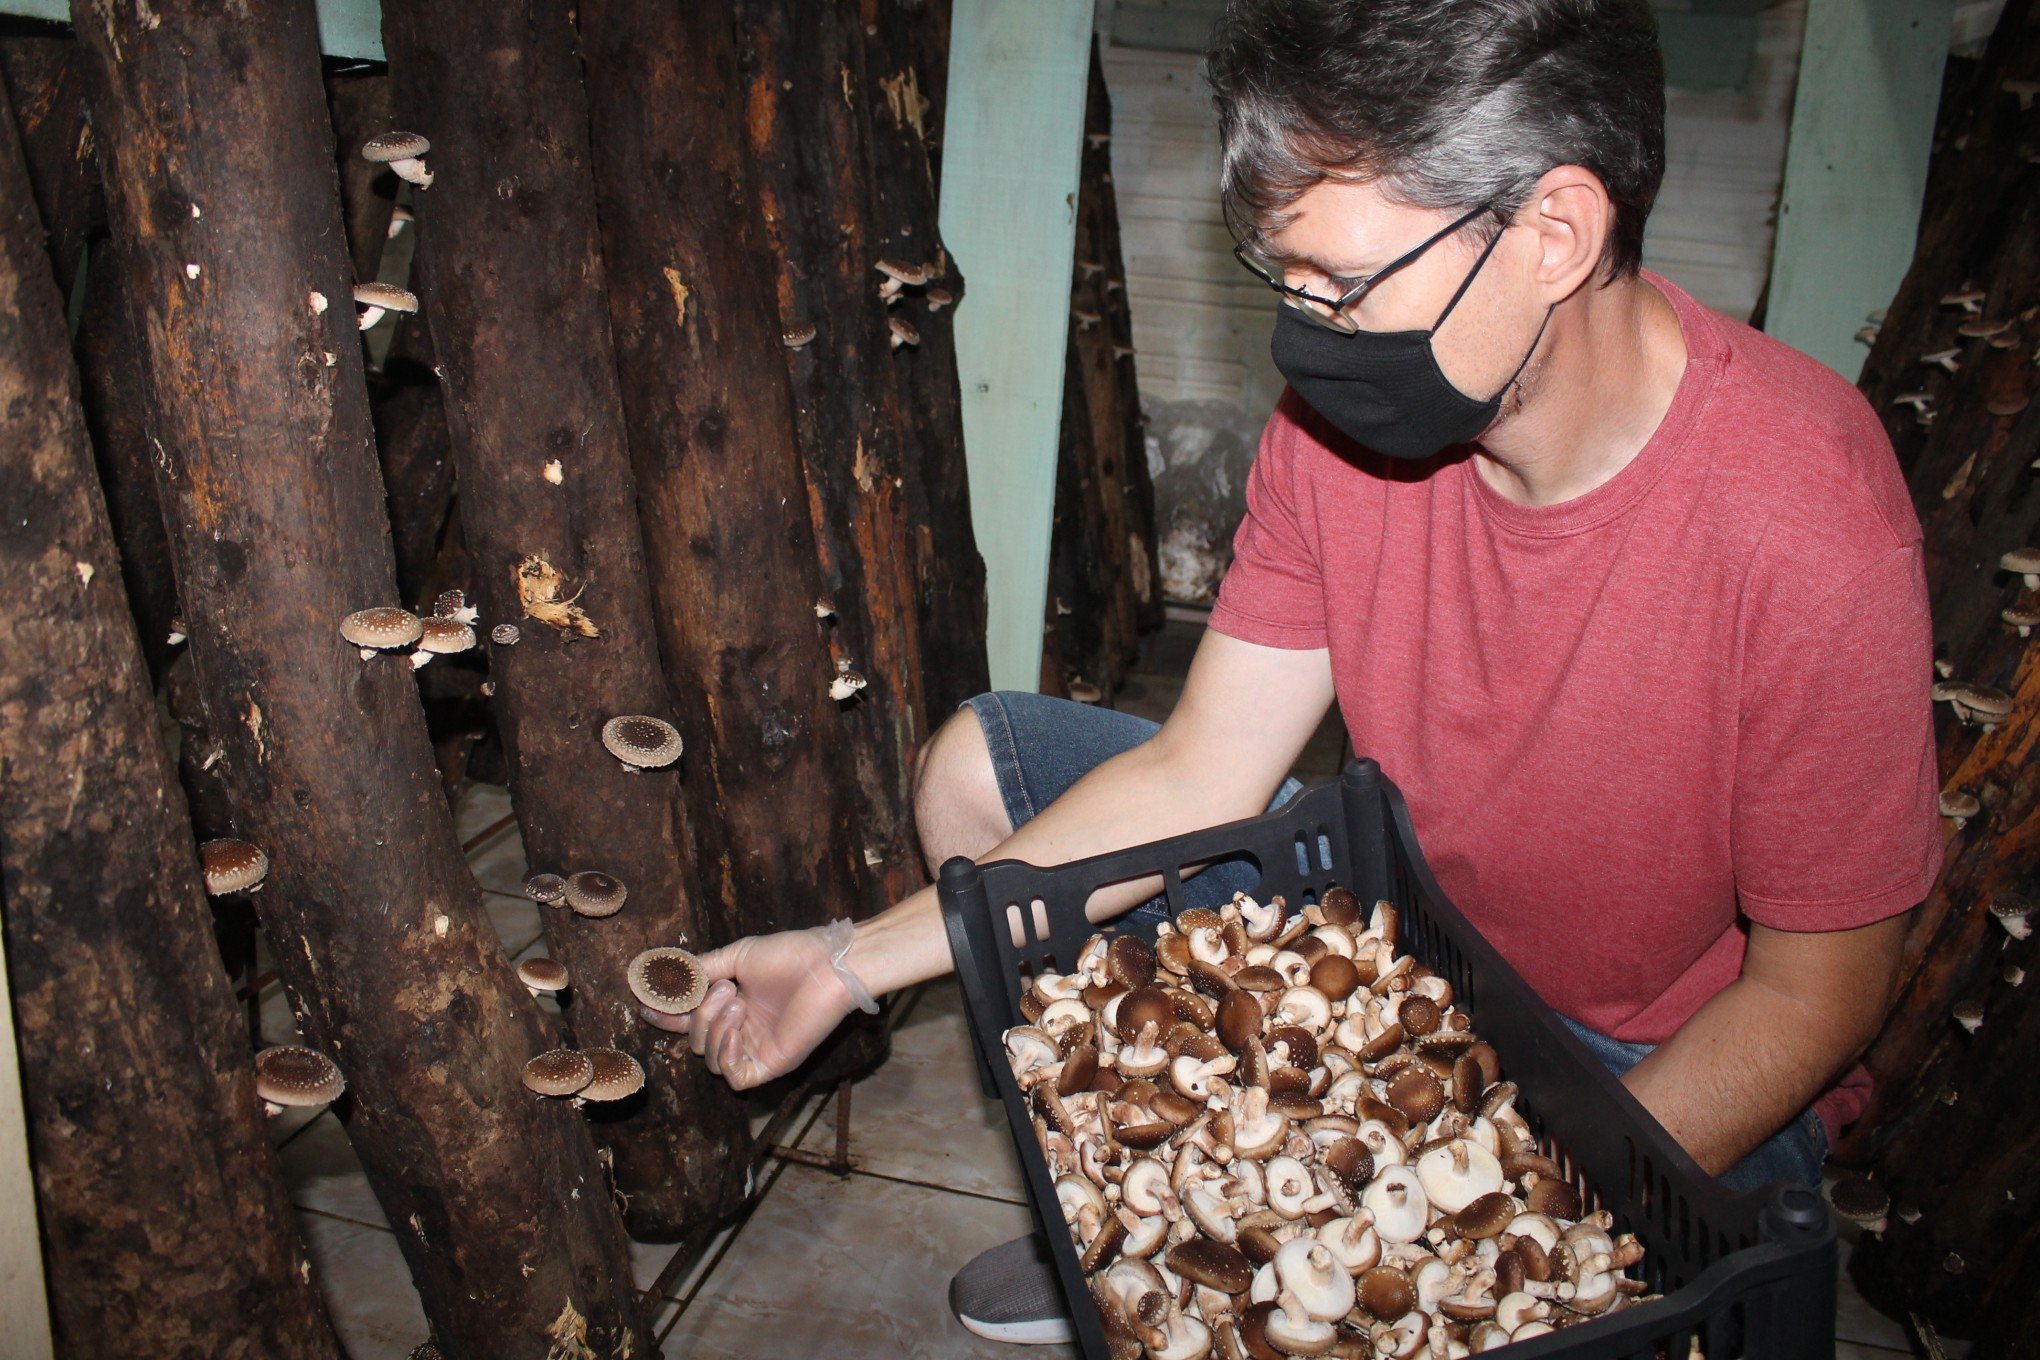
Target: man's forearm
<point>1743,1066</point>
<point>1138,796</point>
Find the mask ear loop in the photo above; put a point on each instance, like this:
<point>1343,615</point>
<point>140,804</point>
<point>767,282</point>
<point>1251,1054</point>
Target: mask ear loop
<point>1467,282</point>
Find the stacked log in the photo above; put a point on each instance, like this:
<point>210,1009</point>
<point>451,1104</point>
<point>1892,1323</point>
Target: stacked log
<point>221,188</point>
<point>729,550</point>
<point>1104,580</point>
<point>509,276</point>
<point>1952,369</point>
<point>843,307</point>
<point>905,71</point>
<point>166,1228</point>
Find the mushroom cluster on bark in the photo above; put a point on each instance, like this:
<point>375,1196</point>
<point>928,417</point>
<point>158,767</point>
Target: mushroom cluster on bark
<point>1273,1134</point>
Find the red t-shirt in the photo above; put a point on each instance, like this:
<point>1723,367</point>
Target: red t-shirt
<point>1624,723</point>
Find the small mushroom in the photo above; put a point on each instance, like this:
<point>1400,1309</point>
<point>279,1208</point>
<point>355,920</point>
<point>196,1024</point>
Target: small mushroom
<point>912,275</point>
<point>1084,692</point>
<point>844,684</point>
<point>594,893</point>
<point>903,331</point>
<point>231,866</point>
<point>377,298</point>
<point>2025,90</point>
<point>438,636</point>
<point>400,217</point>
<point>668,980</point>
<point>938,298</point>
<point>2022,617</point>
<point>403,153</point>
<point>505,635</point>
<point>1969,1015</point>
<point>542,975</point>
<point>1970,300</point>
<point>798,336</point>
<point>1861,1201</point>
<point>617,1075</point>
<point>1920,401</point>
<point>381,629</point>
<point>1959,805</point>
<point>559,1072</point>
<point>2014,912</point>
<point>2026,562</point>
<point>642,742</point>
<point>550,889</point>
<point>290,1075</point>
<point>1950,359</point>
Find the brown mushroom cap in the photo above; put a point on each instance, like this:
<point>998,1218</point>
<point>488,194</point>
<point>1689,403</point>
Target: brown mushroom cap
<point>1959,803</point>
<point>1386,1292</point>
<point>1859,1199</point>
<point>1419,1015</point>
<point>443,636</point>
<point>1215,1264</point>
<point>394,146</point>
<point>231,866</point>
<point>2025,561</point>
<point>594,893</point>
<point>1336,976</point>
<point>289,1075</point>
<point>1130,961</point>
<point>1339,906</point>
<point>1417,1094</point>
<point>1485,1216</point>
<point>544,974</point>
<point>1144,1006</point>
<point>387,296</point>
<point>1556,1198</point>
<point>548,888</point>
<point>382,627</point>
<point>559,1072</point>
<point>638,740</point>
<point>668,980</point>
<point>617,1075</point>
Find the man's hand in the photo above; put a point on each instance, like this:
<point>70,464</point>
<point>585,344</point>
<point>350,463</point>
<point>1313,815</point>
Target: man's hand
<point>771,1000</point>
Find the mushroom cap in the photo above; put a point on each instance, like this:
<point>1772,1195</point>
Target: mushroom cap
<point>617,1075</point>
<point>1386,1292</point>
<point>381,627</point>
<point>290,1075</point>
<point>1859,1199</point>
<point>1206,1262</point>
<point>2010,906</point>
<point>231,866</point>
<point>1959,803</point>
<point>505,634</point>
<point>443,636</point>
<point>1985,699</point>
<point>638,740</point>
<point>548,888</point>
<point>915,274</point>
<point>559,1072</point>
<point>547,975</point>
<point>1485,1216</point>
<point>2022,560</point>
<point>385,147</point>
<point>670,981</point>
<point>594,893</point>
<point>387,296</point>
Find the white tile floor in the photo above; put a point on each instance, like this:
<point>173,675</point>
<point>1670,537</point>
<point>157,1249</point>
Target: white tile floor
<point>844,1267</point>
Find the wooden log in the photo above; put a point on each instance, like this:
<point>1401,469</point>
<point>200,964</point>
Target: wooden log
<point>728,546</point>
<point>45,90</point>
<point>810,146</point>
<point>359,104</point>
<point>901,93</point>
<point>1077,618</point>
<point>510,277</point>
<point>167,1230</point>
<point>220,180</point>
<point>416,454</point>
<point>1949,1131</point>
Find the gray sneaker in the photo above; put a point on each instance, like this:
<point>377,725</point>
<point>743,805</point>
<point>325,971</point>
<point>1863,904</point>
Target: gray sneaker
<point>1010,1293</point>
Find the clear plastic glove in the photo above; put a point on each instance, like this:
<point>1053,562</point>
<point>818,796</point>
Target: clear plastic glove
<point>771,1000</point>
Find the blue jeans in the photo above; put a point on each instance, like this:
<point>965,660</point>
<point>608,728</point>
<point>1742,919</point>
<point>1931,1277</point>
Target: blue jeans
<point>1040,746</point>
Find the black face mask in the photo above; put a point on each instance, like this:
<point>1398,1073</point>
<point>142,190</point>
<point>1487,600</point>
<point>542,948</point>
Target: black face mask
<point>1384,390</point>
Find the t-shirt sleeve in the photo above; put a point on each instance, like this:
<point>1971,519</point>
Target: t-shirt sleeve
<point>1836,821</point>
<point>1273,593</point>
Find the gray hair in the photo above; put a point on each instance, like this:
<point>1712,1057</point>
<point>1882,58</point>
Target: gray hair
<point>1447,104</point>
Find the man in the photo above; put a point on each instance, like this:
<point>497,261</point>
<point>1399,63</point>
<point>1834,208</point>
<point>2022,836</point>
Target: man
<point>1627,597</point>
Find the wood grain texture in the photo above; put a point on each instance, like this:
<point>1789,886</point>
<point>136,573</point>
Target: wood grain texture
<point>221,183</point>
<point>166,1227</point>
<point>510,278</point>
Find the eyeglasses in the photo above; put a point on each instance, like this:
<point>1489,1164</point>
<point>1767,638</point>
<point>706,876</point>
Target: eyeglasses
<point>1331,312</point>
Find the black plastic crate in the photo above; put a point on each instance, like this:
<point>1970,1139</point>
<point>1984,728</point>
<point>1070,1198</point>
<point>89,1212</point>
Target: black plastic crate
<point>1749,1275</point>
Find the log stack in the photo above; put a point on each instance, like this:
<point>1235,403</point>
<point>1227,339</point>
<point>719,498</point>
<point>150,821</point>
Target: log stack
<point>1104,579</point>
<point>1952,369</point>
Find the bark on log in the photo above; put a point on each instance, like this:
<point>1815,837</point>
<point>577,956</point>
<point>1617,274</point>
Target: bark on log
<point>45,89</point>
<point>166,1228</point>
<point>728,546</point>
<point>275,516</point>
<point>359,105</point>
<point>415,450</point>
<point>510,277</point>
<point>1945,1132</point>
<point>902,96</point>
<point>810,150</point>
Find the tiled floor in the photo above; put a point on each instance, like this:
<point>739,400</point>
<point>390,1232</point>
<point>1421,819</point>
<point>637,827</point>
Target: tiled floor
<point>844,1267</point>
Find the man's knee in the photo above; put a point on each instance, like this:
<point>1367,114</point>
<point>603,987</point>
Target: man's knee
<point>957,806</point>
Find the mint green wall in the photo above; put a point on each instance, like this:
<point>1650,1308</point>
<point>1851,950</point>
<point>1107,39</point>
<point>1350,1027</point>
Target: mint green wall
<point>347,28</point>
<point>1855,169</point>
<point>1012,138</point>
